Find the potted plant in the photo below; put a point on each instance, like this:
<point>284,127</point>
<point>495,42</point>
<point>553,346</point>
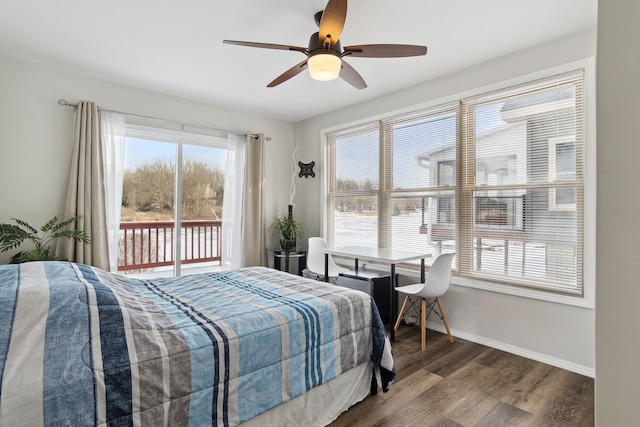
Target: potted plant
<point>12,236</point>
<point>287,228</point>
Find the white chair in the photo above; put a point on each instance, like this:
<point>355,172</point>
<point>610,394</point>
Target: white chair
<point>435,285</point>
<point>315,260</point>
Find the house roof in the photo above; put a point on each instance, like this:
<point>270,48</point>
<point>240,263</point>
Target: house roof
<point>518,109</point>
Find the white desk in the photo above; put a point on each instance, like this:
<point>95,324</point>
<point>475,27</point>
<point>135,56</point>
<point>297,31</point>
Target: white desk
<point>387,256</point>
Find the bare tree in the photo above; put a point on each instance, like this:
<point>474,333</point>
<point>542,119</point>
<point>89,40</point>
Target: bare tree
<point>151,187</point>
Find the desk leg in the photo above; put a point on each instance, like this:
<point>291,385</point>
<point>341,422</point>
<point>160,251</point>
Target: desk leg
<point>392,298</point>
<point>326,267</point>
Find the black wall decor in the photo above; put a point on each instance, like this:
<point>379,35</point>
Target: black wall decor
<point>306,170</point>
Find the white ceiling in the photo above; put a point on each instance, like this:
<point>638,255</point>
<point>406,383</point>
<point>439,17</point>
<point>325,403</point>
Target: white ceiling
<point>176,47</point>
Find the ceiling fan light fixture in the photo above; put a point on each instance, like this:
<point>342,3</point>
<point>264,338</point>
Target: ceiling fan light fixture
<point>324,53</point>
<point>324,66</point>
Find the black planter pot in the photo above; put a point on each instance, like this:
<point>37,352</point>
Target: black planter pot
<point>287,244</point>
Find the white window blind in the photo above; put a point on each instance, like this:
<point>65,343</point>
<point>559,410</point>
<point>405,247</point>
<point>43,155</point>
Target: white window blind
<point>523,188</point>
<point>421,181</point>
<point>353,185</point>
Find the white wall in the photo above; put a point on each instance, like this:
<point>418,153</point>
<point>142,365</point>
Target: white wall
<point>36,135</point>
<point>558,334</point>
<point>618,256</point>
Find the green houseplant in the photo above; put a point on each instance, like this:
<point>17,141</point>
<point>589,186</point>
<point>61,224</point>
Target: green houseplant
<point>12,236</point>
<point>287,228</point>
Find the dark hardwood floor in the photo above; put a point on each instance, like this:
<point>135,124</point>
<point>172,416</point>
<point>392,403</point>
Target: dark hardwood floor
<point>468,384</point>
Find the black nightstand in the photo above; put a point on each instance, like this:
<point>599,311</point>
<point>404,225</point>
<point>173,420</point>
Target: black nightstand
<point>278,254</point>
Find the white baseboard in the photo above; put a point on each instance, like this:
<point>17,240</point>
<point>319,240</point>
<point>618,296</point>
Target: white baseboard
<point>519,351</point>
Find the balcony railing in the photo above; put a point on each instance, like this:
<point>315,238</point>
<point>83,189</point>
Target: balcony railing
<point>150,244</point>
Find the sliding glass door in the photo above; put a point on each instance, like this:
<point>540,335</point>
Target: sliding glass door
<point>173,189</point>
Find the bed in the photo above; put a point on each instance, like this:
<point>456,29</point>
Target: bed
<point>254,346</point>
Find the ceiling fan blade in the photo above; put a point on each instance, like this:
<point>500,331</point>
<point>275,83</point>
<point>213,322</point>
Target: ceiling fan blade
<point>351,76</point>
<point>266,45</point>
<point>332,21</point>
<point>384,50</point>
<point>291,72</point>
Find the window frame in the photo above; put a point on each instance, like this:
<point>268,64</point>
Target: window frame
<point>330,191</point>
<point>587,297</point>
<point>140,128</point>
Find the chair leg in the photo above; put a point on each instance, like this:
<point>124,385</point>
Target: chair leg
<point>423,322</point>
<point>444,320</point>
<point>402,310</point>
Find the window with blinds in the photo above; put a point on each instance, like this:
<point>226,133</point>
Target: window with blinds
<point>523,185</point>
<point>353,187</point>
<point>420,181</point>
<point>497,179</point>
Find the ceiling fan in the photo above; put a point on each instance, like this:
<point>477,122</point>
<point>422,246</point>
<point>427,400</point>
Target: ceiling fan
<point>325,55</point>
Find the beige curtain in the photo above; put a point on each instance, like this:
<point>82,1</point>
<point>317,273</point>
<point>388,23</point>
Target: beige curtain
<point>253,229</point>
<point>86,192</point>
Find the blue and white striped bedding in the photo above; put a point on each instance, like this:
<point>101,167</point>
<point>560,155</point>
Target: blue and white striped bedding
<point>80,346</point>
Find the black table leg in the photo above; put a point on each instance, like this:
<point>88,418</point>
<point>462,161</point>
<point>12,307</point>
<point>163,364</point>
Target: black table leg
<point>326,267</point>
<point>286,261</point>
<point>392,298</point>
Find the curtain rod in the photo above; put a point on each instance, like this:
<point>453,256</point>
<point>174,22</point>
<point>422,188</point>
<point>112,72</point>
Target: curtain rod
<point>66,103</point>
